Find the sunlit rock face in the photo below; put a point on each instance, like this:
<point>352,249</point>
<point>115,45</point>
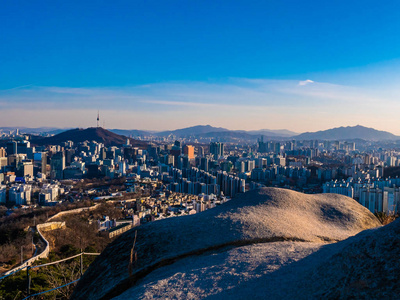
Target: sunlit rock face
<point>250,241</point>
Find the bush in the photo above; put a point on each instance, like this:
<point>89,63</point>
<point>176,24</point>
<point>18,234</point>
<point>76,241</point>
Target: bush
<point>385,218</point>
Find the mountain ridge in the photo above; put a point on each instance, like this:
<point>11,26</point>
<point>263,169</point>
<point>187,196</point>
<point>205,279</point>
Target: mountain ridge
<point>348,133</point>
<point>193,130</point>
<point>78,135</point>
<point>207,131</point>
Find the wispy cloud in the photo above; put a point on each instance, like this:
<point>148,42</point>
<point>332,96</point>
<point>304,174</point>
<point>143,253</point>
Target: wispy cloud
<point>180,103</point>
<point>236,102</point>
<point>19,87</point>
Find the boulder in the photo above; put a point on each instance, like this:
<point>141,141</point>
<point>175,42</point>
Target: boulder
<point>227,248</point>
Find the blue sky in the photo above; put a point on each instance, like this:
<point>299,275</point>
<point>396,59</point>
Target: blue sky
<point>170,64</point>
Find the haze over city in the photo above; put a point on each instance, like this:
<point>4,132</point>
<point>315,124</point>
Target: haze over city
<point>149,65</point>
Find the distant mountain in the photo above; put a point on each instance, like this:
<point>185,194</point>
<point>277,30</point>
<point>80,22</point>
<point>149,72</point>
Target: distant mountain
<point>192,131</point>
<point>55,131</point>
<point>118,136</point>
<point>78,135</point>
<point>50,130</point>
<point>273,132</point>
<point>229,135</point>
<point>348,133</point>
<point>131,132</point>
<point>207,131</point>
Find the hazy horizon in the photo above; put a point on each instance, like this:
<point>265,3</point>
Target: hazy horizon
<point>276,131</point>
<point>163,66</point>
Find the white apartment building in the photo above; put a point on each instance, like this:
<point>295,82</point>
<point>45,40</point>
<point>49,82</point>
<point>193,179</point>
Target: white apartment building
<point>2,194</point>
<point>21,194</point>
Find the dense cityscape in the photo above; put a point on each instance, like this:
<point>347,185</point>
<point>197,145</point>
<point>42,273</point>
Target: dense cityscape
<point>46,175</point>
<point>199,150</point>
<point>150,179</point>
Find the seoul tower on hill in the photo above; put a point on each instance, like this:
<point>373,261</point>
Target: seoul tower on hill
<point>98,119</point>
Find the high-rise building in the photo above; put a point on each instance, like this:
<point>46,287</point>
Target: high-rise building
<point>43,163</point>
<point>22,147</point>
<point>2,152</point>
<point>170,160</point>
<point>3,162</point>
<point>3,190</point>
<point>177,144</point>
<point>262,146</point>
<point>122,168</point>
<point>277,148</point>
<point>20,194</point>
<point>11,147</point>
<point>69,154</point>
<point>175,152</point>
<point>25,168</point>
<point>103,154</point>
<point>216,149</point>
<point>204,164</point>
<point>200,151</point>
<point>57,164</point>
<point>188,150</point>
<point>15,159</point>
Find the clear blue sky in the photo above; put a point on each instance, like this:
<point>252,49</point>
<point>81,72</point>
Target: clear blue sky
<point>117,44</point>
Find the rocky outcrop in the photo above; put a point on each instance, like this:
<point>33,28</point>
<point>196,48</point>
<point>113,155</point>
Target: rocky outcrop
<point>256,234</point>
<point>364,267</point>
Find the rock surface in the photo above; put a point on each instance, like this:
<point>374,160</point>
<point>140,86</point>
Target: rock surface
<point>364,267</point>
<point>225,251</point>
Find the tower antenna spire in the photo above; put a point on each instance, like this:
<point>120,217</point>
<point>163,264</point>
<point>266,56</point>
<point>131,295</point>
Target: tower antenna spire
<point>98,118</point>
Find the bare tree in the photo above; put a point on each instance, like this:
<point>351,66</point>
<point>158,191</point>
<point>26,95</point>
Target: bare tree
<point>61,274</point>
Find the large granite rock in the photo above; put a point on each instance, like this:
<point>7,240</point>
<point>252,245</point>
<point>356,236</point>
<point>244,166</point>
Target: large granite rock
<point>226,249</point>
<point>363,267</point>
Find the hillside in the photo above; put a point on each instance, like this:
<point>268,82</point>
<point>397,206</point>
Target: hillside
<point>78,135</point>
<point>205,254</point>
<point>348,133</point>
<point>130,132</point>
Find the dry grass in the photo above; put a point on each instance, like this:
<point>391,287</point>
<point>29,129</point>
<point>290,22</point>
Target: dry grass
<point>385,218</point>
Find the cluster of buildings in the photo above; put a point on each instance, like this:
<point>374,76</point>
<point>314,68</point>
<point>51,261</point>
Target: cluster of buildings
<point>378,195</point>
<point>169,204</point>
<point>49,193</point>
<point>195,181</point>
<point>33,174</point>
<point>26,170</point>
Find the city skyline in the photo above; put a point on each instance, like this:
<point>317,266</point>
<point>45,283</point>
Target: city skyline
<point>158,66</point>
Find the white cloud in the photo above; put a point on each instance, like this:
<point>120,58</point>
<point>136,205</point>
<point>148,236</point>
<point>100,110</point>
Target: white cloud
<point>305,82</point>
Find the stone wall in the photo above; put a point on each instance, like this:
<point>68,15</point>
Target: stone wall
<point>44,254</point>
<point>72,211</point>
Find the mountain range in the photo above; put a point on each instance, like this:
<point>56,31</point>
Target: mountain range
<point>38,130</point>
<point>347,133</point>
<point>339,133</point>
<point>207,131</point>
<point>225,135</point>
